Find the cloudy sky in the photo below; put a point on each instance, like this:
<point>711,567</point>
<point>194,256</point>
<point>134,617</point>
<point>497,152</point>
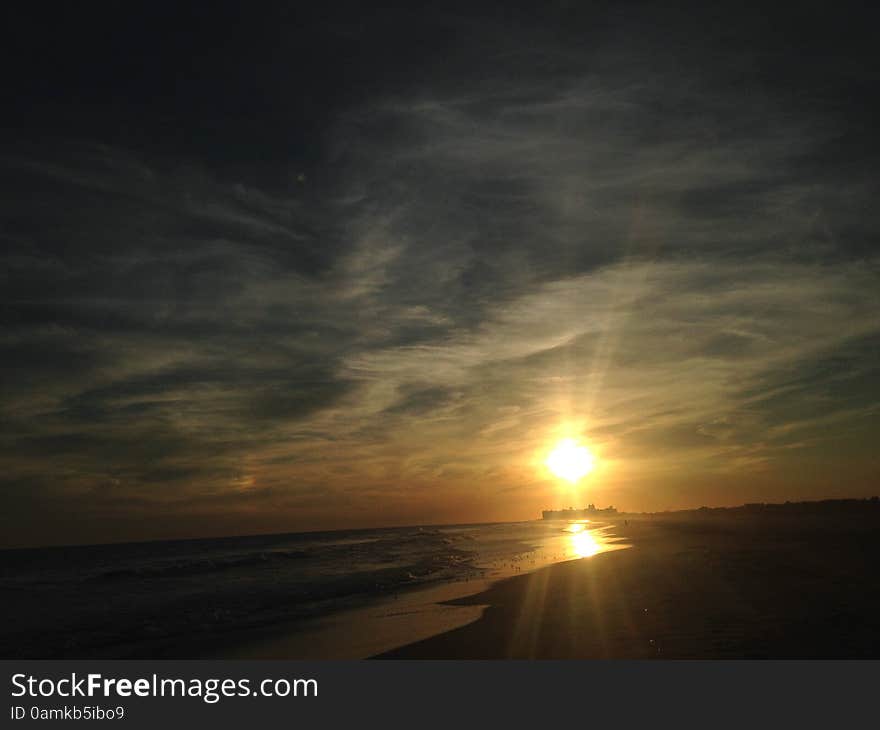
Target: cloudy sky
<point>337,266</point>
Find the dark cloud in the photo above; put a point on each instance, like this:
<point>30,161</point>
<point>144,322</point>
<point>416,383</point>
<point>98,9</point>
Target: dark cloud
<point>421,401</point>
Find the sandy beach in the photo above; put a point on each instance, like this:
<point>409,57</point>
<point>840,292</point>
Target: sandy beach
<point>692,586</point>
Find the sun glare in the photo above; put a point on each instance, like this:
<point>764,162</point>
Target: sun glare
<point>570,461</point>
<point>583,544</point>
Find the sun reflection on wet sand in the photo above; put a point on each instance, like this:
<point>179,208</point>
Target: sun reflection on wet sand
<point>584,544</point>
<point>584,541</point>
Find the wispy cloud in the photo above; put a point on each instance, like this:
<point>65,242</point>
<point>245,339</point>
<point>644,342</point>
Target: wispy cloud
<point>596,236</point>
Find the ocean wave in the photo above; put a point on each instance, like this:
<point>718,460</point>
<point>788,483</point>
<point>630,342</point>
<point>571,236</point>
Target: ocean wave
<point>199,565</point>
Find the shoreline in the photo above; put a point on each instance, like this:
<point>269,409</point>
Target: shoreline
<point>391,622</point>
<point>702,588</point>
<point>494,595</point>
<point>213,622</point>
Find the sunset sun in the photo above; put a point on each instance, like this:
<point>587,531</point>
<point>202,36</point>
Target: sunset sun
<point>570,460</point>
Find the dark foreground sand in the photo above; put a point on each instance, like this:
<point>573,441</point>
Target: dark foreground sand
<point>695,586</point>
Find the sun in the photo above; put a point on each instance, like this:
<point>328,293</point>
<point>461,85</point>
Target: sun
<point>570,461</point>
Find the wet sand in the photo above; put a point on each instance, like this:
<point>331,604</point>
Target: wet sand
<point>356,633</point>
<point>692,586</point>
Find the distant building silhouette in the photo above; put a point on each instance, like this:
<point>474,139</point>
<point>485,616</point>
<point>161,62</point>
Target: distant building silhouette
<point>574,514</point>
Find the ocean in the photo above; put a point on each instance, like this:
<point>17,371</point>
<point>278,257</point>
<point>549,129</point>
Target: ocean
<point>120,600</point>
